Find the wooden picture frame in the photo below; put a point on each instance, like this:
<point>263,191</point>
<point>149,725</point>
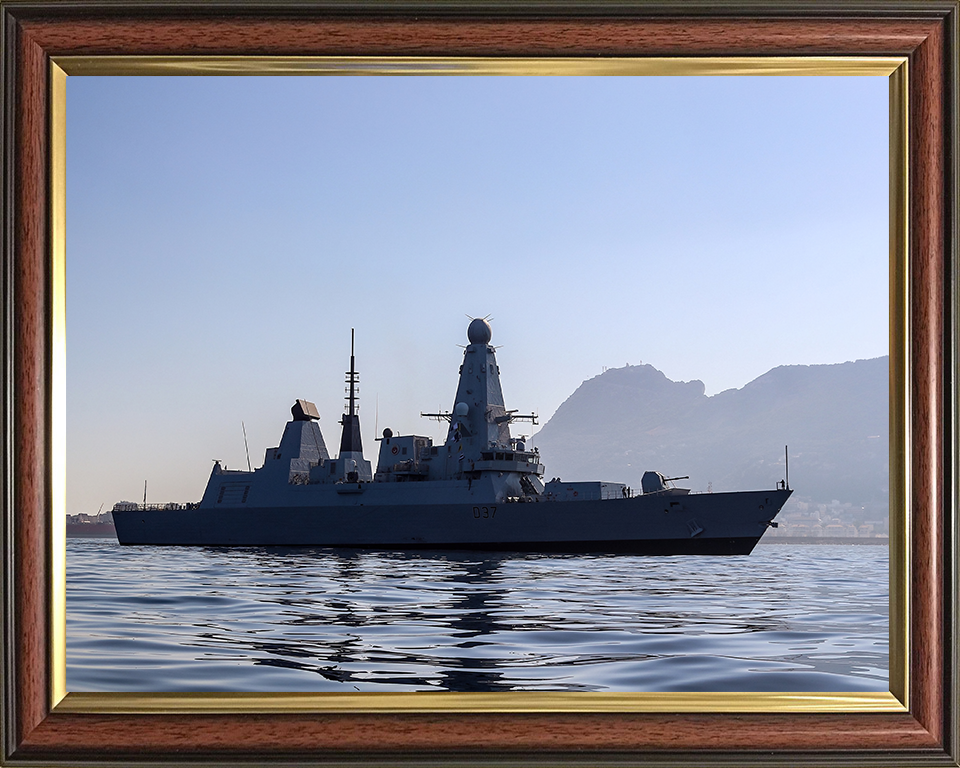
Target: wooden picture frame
<point>39,727</point>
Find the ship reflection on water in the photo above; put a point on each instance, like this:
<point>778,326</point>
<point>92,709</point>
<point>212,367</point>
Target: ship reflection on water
<point>447,637</point>
<point>786,618</point>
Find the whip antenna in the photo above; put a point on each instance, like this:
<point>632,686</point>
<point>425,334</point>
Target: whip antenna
<point>786,464</point>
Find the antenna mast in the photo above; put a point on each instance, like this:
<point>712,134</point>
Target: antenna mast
<point>247,447</point>
<point>350,437</point>
<point>352,379</point>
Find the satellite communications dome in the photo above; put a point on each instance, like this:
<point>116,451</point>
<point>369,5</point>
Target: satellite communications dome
<point>479,331</point>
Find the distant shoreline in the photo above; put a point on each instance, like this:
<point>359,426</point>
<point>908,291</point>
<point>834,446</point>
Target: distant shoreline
<point>823,540</point>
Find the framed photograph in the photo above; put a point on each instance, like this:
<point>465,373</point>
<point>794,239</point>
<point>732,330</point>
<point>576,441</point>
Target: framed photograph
<point>44,44</point>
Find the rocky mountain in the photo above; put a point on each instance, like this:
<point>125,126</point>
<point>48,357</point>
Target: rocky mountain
<point>628,420</point>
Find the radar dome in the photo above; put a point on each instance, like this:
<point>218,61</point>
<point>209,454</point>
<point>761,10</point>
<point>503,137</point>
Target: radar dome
<point>461,409</point>
<point>479,331</point>
<point>387,432</point>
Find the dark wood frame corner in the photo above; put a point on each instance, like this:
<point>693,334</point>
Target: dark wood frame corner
<point>34,34</point>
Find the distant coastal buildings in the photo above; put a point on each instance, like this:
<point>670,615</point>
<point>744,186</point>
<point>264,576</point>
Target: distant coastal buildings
<point>806,519</point>
<point>90,526</point>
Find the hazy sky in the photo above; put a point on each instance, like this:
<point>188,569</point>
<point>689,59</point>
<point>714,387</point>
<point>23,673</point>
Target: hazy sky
<point>225,234</point>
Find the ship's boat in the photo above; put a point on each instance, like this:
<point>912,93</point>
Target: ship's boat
<point>479,489</point>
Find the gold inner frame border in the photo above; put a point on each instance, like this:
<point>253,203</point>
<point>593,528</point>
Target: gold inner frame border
<point>895,700</point>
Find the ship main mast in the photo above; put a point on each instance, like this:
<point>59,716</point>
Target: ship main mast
<point>350,437</point>
<point>351,447</point>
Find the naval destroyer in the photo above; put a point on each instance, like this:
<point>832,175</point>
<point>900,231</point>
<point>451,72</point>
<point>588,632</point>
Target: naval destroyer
<point>479,489</point>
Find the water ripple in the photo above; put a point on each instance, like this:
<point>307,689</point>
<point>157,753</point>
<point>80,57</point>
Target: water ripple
<point>786,618</point>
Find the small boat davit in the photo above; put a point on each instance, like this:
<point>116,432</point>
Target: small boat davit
<point>481,489</point>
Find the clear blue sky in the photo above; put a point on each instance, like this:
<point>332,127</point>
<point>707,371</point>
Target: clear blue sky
<point>225,234</point>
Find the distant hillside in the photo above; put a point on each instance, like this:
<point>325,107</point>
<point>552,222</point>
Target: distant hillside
<point>628,420</point>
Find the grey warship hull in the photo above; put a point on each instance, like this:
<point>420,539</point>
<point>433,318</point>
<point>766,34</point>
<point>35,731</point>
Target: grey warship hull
<point>715,524</point>
<point>480,489</point>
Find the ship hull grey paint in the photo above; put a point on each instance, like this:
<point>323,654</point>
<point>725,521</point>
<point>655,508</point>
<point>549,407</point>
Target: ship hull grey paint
<point>480,488</point>
<point>718,523</point>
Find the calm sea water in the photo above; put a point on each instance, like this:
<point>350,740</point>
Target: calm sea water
<point>785,618</point>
